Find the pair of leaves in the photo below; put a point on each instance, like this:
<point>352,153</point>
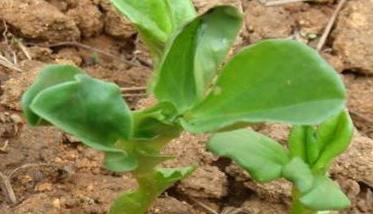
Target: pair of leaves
<point>156,20</point>
<point>255,86</point>
<point>138,201</point>
<point>193,57</point>
<point>267,160</point>
<point>319,146</point>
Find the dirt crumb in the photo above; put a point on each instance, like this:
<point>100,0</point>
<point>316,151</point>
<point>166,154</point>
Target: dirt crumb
<point>170,205</point>
<point>258,206</point>
<point>357,162</point>
<point>37,19</point>
<point>203,5</point>
<point>353,36</point>
<point>116,24</point>
<point>267,22</point>
<point>69,54</point>
<point>15,86</point>
<point>205,182</point>
<point>360,102</point>
<point>88,18</point>
<point>188,150</point>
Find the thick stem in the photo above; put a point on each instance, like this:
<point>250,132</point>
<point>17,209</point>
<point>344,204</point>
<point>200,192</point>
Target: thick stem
<point>149,189</point>
<point>297,206</point>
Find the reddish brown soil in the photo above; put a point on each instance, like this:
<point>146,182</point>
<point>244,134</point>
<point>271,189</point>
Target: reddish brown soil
<point>56,174</point>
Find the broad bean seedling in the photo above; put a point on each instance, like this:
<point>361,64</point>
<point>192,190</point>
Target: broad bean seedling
<point>197,91</point>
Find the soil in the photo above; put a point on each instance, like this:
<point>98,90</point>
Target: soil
<point>52,172</point>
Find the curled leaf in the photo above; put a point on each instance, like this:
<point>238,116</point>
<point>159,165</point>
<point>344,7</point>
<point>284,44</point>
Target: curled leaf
<point>50,75</point>
<point>156,20</point>
<point>194,55</point>
<point>92,110</point>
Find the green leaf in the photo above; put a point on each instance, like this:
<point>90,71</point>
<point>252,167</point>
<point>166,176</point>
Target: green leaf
<point>138,201</point>
<point>298,172</point>
<point>156,20</point>
<point>325,195</point>
<point>334,137</point>
<point>49,76</point>
<point>261,156</point>
<point>271,81</point>
<point>120,161</point>
<point>92,110</point>
<point>154,122</point>
<point>194,56</point>
<point>168,176</point>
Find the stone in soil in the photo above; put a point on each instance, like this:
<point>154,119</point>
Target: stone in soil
<point>37,19</point>
<point>353,36</point>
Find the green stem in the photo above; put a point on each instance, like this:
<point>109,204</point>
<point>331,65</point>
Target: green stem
<point>297,206</point>
<point>148,157</point>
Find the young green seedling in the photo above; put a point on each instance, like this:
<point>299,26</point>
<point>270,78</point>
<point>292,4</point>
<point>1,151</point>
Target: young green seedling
<point>311,150</point>
<point>194,92</point>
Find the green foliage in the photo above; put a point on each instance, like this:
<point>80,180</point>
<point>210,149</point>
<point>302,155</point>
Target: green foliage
<point>138,201</point>
<point>156,20</point>
<point>271,81</point>
<point>49,76</point>
<point>196,53</point>
<point>266,158</point>
<point>257,85</point>
<point>311,151</point>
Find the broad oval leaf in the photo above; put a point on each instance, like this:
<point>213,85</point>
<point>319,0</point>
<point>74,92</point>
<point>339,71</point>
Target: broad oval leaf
<point>49,76</point>
<point>261,156</point>
<point>325,195</point>
<point>194,56</point>
<point>271,81</point>
<point>156,20</point>
<point>92,110</point>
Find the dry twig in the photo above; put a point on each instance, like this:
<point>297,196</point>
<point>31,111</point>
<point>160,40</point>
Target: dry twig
<point>4,61</point>
<point>280,2</point>
<point>204,206</point>
<point>330,25</point>
<point>131,89</point>
<point>23,49</point>
<point>7,188</point>
<point>4,147</point>
<point>6,185</point>
<point>8,64</point>
<point>362,117</point>
<point>134,95</point>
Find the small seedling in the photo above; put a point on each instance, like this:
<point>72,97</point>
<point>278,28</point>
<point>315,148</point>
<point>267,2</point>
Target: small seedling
<point>274,80</point>
<point>311,150</point>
